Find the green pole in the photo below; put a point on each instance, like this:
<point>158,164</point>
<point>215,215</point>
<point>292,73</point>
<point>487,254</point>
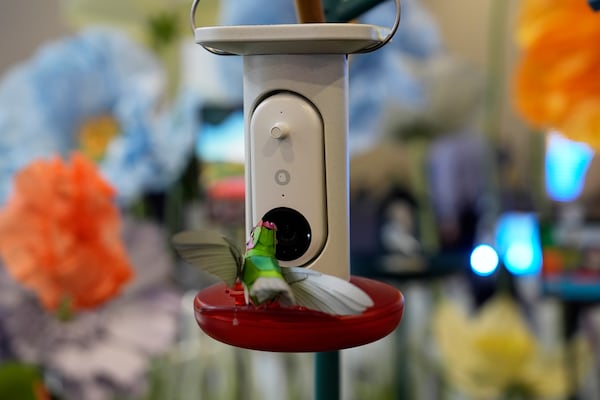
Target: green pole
<point>327,375</point>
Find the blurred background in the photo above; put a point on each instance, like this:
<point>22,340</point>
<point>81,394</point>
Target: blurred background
<point>473,190</point>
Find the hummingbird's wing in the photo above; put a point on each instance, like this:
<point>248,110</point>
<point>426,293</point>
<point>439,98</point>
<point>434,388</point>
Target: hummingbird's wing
<point>212,252</point>
<point>325,293</point>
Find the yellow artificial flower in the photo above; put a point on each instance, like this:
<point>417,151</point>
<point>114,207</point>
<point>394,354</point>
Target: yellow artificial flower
<point>95,135</point>
<point>556,82</point>
<point>495,353</point>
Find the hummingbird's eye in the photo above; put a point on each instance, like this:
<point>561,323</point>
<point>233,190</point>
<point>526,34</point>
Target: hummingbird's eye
<point>251,240</point>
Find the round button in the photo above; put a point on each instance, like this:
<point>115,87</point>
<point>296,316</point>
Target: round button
<point>280,130</point>
<point>282,177</point>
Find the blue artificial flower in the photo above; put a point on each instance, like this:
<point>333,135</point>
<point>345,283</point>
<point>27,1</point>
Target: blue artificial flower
<point>45,101</point>
<point>379,81</point>
<point>257,12</point>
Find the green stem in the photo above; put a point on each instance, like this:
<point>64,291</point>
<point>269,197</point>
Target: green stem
<point>494,96</point>
<point>65,309</point>
<point>496,77</point>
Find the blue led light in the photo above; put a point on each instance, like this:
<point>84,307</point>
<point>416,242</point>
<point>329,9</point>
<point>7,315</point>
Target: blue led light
<point>518,242</point>
<point>566,165</point>
<point>484,260</point>
<point>520,257</point>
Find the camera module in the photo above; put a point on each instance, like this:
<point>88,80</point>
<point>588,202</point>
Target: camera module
<point>293,233</point>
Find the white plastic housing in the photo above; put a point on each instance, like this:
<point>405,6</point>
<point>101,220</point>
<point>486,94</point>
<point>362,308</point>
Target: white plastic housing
<point>296,126</point>
<point>315,86</point>
<point>286,161</point>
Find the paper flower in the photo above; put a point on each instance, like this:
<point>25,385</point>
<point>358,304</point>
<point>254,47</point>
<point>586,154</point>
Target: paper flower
<point>59,234</point>
<point>100,91</point>
<point>556,81</point>
<point>495,353</point>
<point>103,353</point>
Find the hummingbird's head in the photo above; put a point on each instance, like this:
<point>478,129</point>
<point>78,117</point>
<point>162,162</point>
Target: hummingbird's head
<point>263,235</point>
<point>267,224</point>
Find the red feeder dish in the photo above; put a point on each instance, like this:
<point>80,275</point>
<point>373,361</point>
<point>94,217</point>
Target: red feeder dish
<point>281,329</point>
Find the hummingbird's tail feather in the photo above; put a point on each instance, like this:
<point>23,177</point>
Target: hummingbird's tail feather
<point>326,293</point>
<point>270,288</point>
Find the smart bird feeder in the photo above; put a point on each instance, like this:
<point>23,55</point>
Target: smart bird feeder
<point>296,174</point>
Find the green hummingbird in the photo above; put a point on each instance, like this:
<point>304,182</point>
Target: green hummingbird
<point>263,279</point>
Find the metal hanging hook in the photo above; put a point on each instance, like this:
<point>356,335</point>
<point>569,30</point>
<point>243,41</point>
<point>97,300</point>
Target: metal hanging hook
<point>193,26</point>
<point>390,34</point>
<point>193,15</point>
<point>369,49</point>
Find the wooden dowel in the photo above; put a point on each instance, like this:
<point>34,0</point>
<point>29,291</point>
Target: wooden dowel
<point>309,11</point>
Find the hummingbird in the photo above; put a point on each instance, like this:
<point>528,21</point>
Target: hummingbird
<point>263,279</point>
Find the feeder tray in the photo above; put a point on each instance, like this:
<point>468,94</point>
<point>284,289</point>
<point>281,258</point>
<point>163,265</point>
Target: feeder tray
<point>297,329</point>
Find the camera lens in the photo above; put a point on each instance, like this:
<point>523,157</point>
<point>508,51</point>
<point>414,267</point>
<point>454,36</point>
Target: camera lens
<point>293,233</point>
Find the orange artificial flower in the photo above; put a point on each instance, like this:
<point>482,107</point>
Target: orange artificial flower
<point>556,83</point>
<point>60,234</point>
